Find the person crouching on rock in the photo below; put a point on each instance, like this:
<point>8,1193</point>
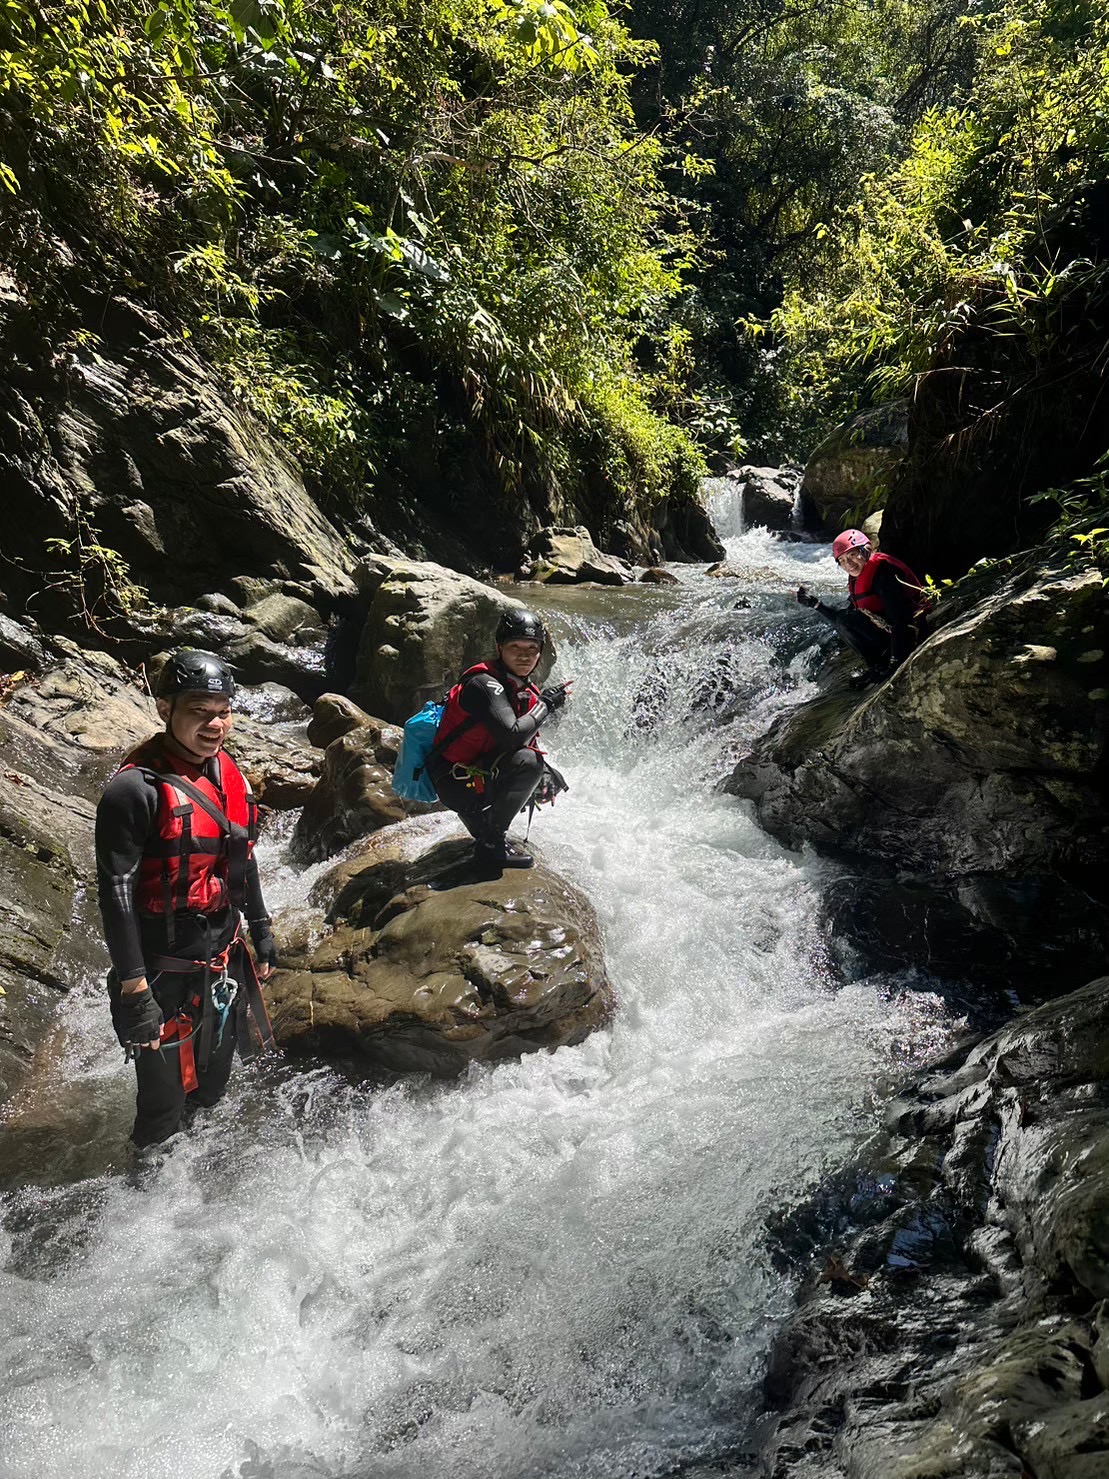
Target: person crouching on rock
<point>886,605</point>
<point>175,833</point>
<point>486,764</point>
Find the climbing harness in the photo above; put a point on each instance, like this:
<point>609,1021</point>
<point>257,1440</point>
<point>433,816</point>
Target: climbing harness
<point>205,1013</point>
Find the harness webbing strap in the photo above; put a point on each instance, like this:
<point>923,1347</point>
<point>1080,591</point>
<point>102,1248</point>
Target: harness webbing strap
<point>185,814</point>
<point>178,1032</point>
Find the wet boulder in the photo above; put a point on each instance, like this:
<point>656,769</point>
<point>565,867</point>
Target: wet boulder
<point>958,1324</point>
<point>61,733</point>
<point>255,657</point>
<point>425,624</point>
<point>568,556</point>
<point>285,618</point>
<point>333,715</point>
<point>768,495</point>
<point>354,795</point>
<point>424,970</point>
<point>656,575</point>
<point>855,465</point>
<point>282,770</point>
<point>684,527</point>
<point>967,791</point>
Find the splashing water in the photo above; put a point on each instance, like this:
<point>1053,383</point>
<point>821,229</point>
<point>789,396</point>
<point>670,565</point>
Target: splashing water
<point>557,1267</point>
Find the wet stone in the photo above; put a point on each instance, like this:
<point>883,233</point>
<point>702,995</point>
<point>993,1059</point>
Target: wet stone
<point>424,969</point>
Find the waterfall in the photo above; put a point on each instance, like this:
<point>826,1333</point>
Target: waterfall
<point>557,1267</point>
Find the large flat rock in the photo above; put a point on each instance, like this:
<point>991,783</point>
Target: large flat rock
<point>423,969</point>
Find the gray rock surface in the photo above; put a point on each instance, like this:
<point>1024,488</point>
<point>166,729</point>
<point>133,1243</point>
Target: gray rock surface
<point>853,466</point>
<point>970,786</point>
<point>424,626</point>
<point>137,435</point>
<point>59,733</point>
<point>957,1325</point>
<point>333,715</point>
<point>567,556</point>
<point>423,971</point>
<point>768,495</point>
<point>354,795</point>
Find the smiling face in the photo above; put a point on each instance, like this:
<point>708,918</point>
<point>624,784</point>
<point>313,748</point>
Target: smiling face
<point>853,560</point>
<point>520,657</point>
<point>197,723</point>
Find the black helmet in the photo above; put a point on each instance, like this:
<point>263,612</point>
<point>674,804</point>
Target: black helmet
<point>520,626</point>
<point>189,670</point>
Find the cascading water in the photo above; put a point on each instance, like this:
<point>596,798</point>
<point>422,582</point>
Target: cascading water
<point>558,1267</point>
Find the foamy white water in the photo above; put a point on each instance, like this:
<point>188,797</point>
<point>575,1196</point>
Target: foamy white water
<point>557,1267</point>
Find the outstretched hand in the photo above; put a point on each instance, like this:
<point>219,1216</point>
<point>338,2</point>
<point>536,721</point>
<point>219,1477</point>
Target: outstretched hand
<point>558,694</point>
<point>805,597</point>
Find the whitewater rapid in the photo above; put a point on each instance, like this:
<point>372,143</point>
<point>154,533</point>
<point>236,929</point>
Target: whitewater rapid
<point>557,1267</point>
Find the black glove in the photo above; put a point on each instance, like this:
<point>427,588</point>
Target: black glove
<point>137,1018</point>
<point>555,697</point>
<point>265,946</point>
<point>550,786</point>
<point>805,597</point>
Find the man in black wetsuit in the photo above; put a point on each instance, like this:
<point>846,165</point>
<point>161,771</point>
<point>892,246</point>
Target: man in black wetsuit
<point>886,604</point>
<point>175,832</point>
<point>486,764</point>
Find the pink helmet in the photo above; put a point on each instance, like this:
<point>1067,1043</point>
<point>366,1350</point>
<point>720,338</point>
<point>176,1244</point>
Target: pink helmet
<point>849,539</point>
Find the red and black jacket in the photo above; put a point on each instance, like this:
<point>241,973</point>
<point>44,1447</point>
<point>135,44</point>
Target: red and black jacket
<point>469,741</point>
<point>196,858</point>
<point>863,597</point>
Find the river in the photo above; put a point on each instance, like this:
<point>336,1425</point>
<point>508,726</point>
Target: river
<point>558,1267</point>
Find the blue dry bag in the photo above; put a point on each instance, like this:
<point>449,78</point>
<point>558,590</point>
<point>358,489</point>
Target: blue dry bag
<point>411,781</point>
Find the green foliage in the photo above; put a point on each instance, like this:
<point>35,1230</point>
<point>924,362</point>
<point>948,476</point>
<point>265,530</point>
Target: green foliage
<point>974,237</point>
<point>92,579</point>
<point>782,106</point>
<point>1083,513</point>
<point>396,226</point>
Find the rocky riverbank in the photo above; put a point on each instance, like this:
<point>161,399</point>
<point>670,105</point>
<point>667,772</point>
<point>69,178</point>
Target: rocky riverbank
<point>969,790</point>
<point>955,1321</point>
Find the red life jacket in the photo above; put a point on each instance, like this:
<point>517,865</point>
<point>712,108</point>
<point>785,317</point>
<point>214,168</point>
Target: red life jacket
<point>477,743</point>
<point>196,859</point>
<point>863,598</point>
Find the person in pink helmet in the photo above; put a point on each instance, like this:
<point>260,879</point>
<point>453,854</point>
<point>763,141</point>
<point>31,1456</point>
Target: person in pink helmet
<point>886,604</point>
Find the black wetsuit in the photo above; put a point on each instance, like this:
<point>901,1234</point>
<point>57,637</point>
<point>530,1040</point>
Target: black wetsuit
<point>516,769</point>
<point>126,827</point>
<point>877,646</point>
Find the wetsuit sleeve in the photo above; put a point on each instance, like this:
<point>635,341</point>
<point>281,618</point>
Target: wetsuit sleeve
<point>257,916</point>
<point>899,603</point>
<point>125,819</point>
<point>829,613</point>
<point>485,698</point>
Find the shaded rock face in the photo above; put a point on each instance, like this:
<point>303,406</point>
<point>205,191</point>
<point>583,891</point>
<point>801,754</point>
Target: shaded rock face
<point>426,972</point>
<point>282,772</point>
<point>768,495</point>
<point>852,466</point>
<point>685,530</point>
<point>59,733</point>
<point>256,658</point>
<point>354,795</point>
<point>959,1323</point>
<point>970,788</point>
<point>567,556</point>
<point>424,626</point>
<point>139,441</point>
